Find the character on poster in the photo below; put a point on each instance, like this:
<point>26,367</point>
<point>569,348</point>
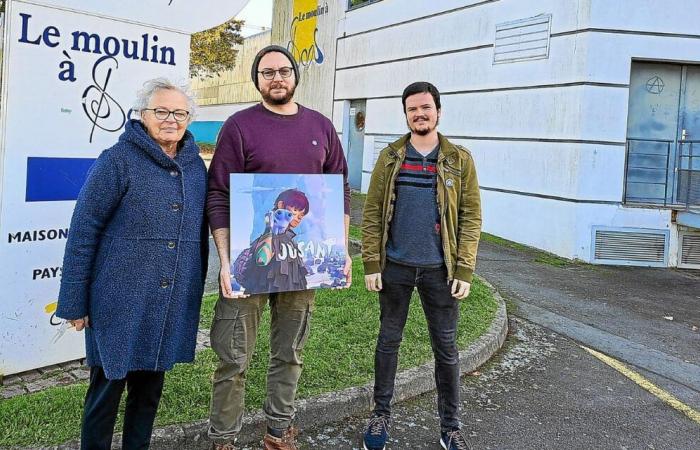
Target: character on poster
<point>273,262</point>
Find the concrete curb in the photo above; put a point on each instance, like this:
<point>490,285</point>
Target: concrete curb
<point>335,406</point>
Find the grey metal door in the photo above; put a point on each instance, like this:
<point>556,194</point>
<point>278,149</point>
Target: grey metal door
<point>356,128</point>
<point>652,127</point>
<point>663,120</point>
<point>688,156</point>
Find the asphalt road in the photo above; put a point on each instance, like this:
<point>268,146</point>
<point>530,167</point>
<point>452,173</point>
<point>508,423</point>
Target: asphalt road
<point>541,392</point>
<point>647,318</point>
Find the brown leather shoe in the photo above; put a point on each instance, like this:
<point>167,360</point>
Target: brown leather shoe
<point>286,442</point>
<point>224,446</point>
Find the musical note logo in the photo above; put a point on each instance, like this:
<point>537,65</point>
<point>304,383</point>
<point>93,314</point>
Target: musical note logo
<point>101,108</point>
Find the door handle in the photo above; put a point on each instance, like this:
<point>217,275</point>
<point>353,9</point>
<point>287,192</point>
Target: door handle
<point>684,134</point>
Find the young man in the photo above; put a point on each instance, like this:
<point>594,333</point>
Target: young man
<point>275,136</point>
<point>420,228</point>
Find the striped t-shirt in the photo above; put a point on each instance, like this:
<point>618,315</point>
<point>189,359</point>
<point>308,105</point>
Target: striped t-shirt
<point>414,232</point>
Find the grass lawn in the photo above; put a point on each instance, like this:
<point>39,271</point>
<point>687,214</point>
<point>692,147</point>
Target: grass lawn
<point>338,354</point>
<point>355,232</point>
<point>541,256</point>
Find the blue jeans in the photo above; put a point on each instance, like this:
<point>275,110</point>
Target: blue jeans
<point>441,312</point>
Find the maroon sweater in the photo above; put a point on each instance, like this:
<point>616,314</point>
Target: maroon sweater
<point>256,140</point>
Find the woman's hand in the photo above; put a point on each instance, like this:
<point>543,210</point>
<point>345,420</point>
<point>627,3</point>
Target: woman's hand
<point>79,324</point>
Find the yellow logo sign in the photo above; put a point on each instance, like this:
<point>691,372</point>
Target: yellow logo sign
<point>304,30</point>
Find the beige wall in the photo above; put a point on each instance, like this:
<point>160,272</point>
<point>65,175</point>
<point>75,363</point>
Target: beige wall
<point>232,86</point>
<point>308,28</point>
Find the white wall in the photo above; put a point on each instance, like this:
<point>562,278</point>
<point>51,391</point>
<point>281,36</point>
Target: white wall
<point>463,28</point>
<point>465,70</point>
<point>552,128</point>
<point>390,12</point>
<point>560,227</point>
<point>544,168</point>
<point>667,16</point>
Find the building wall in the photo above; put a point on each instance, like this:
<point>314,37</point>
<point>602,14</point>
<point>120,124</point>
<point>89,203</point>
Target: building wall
<point>232,86</point>
<point>548,135</point>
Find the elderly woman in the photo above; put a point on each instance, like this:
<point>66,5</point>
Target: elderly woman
<point>135,263</point>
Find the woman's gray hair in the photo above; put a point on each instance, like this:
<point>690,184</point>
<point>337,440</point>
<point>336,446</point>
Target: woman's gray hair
<point>150,87</point>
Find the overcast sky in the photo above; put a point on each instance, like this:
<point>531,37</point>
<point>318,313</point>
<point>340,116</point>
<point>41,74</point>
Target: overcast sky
<point>257,14</point>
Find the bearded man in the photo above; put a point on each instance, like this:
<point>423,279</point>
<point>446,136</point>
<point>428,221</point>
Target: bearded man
<point>277,135</point>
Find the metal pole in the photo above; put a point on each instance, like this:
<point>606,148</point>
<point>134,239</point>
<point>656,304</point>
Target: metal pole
<point>668,157</point>
<point>690,176</point>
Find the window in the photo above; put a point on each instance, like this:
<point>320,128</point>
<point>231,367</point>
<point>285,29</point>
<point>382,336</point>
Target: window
<point>354,4</point>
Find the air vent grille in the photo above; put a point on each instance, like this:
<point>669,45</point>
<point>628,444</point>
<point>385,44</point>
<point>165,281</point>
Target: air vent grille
<point>522,40</point>
<point>690,250</point>
<point>630,247</point>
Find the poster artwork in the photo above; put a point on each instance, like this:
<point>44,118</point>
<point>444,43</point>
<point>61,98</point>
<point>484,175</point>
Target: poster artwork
<point>287,232</point>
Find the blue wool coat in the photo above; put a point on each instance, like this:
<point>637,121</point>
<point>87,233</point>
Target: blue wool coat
<point>136,255</point>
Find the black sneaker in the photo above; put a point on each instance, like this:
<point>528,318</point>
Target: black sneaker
<point>376,434</point>
<point>454,440</point>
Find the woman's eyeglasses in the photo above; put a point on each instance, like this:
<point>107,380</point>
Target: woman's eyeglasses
<point>180,115</point>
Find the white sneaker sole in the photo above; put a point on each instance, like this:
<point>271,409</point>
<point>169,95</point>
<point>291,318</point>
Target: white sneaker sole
<point>442,444</point>
<point>364,446</point>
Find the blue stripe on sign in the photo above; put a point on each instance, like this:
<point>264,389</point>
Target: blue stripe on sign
<point>205,131</point>
<point>56,179</point>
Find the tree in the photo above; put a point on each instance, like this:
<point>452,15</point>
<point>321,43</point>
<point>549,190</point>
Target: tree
<point>212,52</point>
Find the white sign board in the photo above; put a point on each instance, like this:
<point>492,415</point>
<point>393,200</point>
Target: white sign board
<point>183,15</point>
<point>69,80</point>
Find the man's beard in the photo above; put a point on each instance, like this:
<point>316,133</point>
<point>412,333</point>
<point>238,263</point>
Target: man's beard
<point>424,131</point>
<point>270,100</point>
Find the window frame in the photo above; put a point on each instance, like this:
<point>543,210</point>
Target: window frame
<point>352,7</point>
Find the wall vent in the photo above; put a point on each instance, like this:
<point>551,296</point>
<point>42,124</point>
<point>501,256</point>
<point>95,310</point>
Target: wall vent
<point>522,40</point>
<point>380,143</point>
<point>689,247</point>
<point>630,246</point>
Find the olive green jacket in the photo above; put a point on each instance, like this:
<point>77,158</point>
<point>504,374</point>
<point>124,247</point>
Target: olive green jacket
<point>458,201</point>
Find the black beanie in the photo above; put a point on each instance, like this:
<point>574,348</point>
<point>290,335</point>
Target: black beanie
<point>265,51</point>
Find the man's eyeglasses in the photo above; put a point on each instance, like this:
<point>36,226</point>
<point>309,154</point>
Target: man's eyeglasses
<point>180,115</point>
<point>269,74</point>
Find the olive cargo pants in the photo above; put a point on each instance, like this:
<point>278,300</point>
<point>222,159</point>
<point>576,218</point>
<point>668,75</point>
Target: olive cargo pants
<point>233,334</point>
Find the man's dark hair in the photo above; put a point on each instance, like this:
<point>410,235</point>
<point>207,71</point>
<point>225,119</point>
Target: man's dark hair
<point>420,87</point>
